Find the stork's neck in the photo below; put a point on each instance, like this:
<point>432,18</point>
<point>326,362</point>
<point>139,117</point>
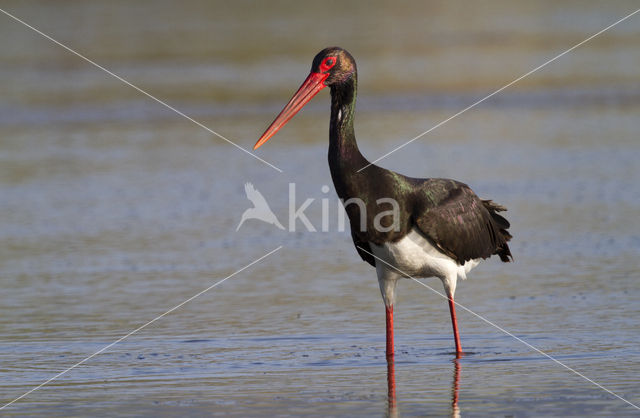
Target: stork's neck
<point>344,155</point>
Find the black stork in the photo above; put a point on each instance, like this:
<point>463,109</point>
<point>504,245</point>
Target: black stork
<point>400,225</point>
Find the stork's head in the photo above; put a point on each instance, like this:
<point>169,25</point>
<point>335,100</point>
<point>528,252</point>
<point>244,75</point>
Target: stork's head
<point>331,67</point>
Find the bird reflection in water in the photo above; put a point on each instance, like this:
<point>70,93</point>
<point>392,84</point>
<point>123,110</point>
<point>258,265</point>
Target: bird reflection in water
<point>392,410</point>
<point>455,388</point>
<point>392,401</point>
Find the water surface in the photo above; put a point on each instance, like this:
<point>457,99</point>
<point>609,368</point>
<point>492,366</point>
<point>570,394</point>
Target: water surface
<point>113,210</point>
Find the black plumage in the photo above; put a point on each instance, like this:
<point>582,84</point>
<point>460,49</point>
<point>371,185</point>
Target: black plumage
<point>447,212</point>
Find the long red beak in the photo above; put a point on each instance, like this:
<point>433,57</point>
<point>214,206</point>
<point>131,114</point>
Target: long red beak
<point>311,86</point>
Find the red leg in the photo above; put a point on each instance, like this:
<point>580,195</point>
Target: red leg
<point>454,323</point>
<point>389,312</point>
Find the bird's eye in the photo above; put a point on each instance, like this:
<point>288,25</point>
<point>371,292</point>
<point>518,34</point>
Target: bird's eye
<point>327,64</point>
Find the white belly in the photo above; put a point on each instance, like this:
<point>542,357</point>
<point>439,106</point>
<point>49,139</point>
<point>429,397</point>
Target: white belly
<point>418,257</point>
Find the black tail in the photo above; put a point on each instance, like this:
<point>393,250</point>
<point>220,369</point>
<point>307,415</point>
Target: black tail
<point>502,249</point>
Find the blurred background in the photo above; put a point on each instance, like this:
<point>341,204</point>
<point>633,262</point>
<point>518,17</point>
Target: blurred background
<point>113,209</point>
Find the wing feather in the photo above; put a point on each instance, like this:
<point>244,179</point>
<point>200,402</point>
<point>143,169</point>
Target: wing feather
<point>461,224</point>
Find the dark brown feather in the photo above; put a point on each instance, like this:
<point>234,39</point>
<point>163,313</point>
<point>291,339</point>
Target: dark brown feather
<point>461,224</point>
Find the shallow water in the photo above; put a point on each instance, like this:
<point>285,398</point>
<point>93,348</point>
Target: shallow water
<point>113,210</point>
